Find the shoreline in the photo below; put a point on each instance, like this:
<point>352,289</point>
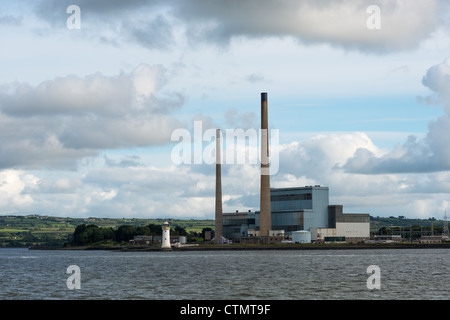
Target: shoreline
<point>239,247</point>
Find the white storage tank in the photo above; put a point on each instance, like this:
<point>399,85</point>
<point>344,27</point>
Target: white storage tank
<point>183,239</point>
<point>301,236</point>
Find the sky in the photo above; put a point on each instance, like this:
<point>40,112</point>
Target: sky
<point>91,95</point>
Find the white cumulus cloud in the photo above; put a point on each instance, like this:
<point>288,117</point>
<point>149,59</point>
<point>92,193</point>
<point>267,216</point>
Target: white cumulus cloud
<point>416,155</point>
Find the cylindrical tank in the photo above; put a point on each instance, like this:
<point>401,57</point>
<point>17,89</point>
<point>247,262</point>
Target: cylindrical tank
<point>301,236</point>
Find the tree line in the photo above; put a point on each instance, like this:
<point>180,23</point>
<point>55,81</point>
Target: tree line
<point>88,234</point>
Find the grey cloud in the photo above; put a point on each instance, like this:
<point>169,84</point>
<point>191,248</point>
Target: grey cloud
<point>69,95</point>
<point>60,186</point>
<point>97,133</point>
<point>117,23</point>
<point>11,20</point>
<point>321,156</point>
<point>412,157</point>
<point>437,79</point>
<point>59,122</point>
<point>156,33</point>
<point>255,78</point>
<point>126,162</point>
<point>32,143</point>
<point>54,11</point>
<point>432,154</point>
<point>148,182</point>
<point>240,120</point>
<point>341,23</point>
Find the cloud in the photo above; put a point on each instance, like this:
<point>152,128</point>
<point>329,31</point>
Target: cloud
<point>117,23</point>
<point>341,23</point>
<point>156,33</point>
<point>316,156</point>
<point>59,186</point>
<point>437,79</point>
<point>431,154</point>
<point>12,186</point>
<point>255,78</point>
<point>243,120</point>
<point>414,156</point>
<point>10,20</point>
<point>126,186</point>
<point>319,161</point>
<point>120,191</point>
<point>60,121</point>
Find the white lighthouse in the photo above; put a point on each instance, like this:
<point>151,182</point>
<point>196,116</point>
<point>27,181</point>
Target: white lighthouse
<point>165,241</point>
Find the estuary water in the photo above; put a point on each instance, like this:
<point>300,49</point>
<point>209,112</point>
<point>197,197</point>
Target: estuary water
<point>226,275</point>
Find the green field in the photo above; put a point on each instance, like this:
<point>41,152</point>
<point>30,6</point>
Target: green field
<point>32,230</point>
<point>35,230</point>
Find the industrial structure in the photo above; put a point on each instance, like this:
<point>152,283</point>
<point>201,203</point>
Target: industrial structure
<point>299,209</point>
<point>165,241</point>
<point>265,213</point>
<point>218,216</point>
<point>445,233</point>
<point>302,214</point>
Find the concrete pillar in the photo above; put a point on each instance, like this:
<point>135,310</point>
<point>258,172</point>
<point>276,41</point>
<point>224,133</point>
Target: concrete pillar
<point>218,217</point>
<point>265,218</point>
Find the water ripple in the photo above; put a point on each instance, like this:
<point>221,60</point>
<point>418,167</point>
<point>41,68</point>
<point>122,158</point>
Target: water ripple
<point>265,275</point>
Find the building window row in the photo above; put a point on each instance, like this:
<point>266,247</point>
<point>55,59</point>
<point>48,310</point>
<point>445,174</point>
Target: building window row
<point>236,222</point>
<point>291,197</point>
<point>289,228</point>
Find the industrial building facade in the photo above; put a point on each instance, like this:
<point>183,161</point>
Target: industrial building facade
<point>300,209</point>
<point>287,212</point>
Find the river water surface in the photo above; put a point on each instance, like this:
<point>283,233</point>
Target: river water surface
<point>264,275</point>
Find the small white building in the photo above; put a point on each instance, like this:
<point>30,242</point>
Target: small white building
<point>351,231</point>
<point>431,239</point>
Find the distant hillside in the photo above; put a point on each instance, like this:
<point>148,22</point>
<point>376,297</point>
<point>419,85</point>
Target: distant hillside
<point>379,222</point>
<point>34,230</point>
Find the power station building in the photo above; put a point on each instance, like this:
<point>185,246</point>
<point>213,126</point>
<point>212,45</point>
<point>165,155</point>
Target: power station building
<point>300,209</point>
<point>304,212</point>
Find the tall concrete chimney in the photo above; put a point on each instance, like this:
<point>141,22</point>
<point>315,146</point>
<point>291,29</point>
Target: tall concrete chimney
<point>265,218</point>
<point>218,218</point>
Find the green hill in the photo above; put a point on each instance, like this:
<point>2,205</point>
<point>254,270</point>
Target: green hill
<point>379,222</point>
<point>32,230</point>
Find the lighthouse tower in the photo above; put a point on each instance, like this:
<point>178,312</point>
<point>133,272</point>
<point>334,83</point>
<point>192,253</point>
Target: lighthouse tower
<point>165,241</point>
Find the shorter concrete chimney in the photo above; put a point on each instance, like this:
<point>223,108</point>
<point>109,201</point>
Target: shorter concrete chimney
<point>218,216</point>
